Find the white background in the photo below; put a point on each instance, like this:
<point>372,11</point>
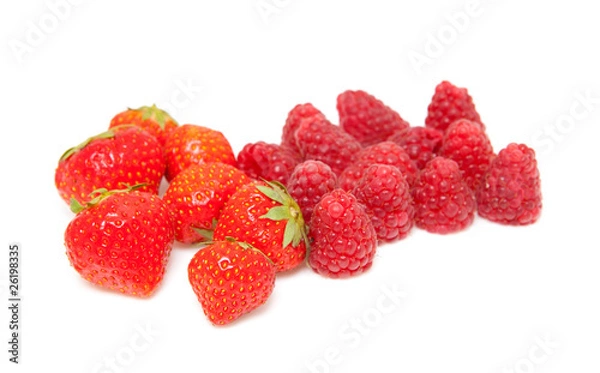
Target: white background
<point>477,301</point>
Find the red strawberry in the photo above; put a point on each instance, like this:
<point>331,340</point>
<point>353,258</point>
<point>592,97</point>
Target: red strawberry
<point>267,161</point>
<point>450,103</point>
<point>510,192</point>
<point>444,203</point>
<point>230,279</point>
<point>343,238</point>
<point>309,182</point>
<point>116,158</point>
<point>366,118</point>
<point>155,121</point>
<point>320,140</point>
<point>467,144</point>
<point>264,215</point>
<point>197,195</point>
<point>121,240</point>
<point>298,114</point>
<point>421,143</point>
<point>385,193</point>
<point>191,144</point>
<point>385,152</point>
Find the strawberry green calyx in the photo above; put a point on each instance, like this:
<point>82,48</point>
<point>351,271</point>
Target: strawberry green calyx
<point>158,115</point>
<point>101,194</point>
<point>289,211</point>
<point>207,233</point>
<point>104,135</point>
<point>109,134</point>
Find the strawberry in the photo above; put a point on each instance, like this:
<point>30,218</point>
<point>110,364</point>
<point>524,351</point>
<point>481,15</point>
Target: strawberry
<point>191,144</point>
<point>155,121</point>
<point>121,240</point>
<point>230,279</point>
<point>119,157</point>
<point>197,195</point>
<point>264,215</point>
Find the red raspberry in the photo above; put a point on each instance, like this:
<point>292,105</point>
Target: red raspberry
<point>320,140</point>
<point>267,161</point>
<point>366,118</point>
<point>295,117</point>
<point>309,182</point>
<point>384,192</point>
<point>385,152</point>
<point>510,192</point>
<point>467,144</point>
<point>448,104</point>
<point>421,143</point>
<point>343,238</point>
<point>444,203</point>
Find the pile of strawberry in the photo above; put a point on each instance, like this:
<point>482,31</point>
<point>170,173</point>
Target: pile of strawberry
<point>327,195</point>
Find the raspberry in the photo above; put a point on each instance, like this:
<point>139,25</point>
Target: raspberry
<point>295,117</point>
<point>444,203</point>
<point>421,143</point>
<point>448,104</point>
<point>309,182</point>
<point>467,144</point>
<point>320,140</point>
<point>366,118</point>
<point>384,192</point>
<point>510,192</point>
<point>385,152</point>
<point>267,161</point>
<point>343,238</point>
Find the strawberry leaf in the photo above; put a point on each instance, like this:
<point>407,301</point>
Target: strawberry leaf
<point>104,135</point>
<point>271,193</point>
<point>278,213</point>
<point>207,234</point>
<point>158,115</point>
<point>289,235</point>
<point>76,207</point>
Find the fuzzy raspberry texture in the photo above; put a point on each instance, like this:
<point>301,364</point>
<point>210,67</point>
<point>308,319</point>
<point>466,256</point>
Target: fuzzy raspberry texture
<point>467,144</point>
<point>309,182</point>
<point>510,192</point>
<point>421,143</point>
<point>344,240</point>
<point>444,203</point>
<point>298,114</point>
<point>386,152</point>
<point>319,140</point>
<point>448,104</point>
<point>384,192</point>
<point>271,162</point>
<point>367,118</point>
